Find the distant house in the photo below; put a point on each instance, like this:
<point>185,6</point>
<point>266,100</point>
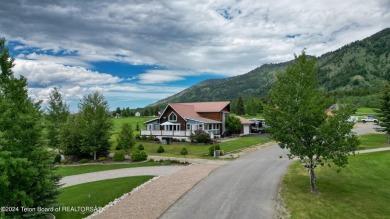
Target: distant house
<point>179,120</point>
<point>137,114</point>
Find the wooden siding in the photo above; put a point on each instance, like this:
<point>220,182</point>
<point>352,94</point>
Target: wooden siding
<point>179,118</point>
<point>214,116</point>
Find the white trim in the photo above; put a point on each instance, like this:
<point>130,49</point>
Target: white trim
<point>169,117</point>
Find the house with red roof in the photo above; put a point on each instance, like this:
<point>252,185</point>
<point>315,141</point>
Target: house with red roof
<point>179,120</point>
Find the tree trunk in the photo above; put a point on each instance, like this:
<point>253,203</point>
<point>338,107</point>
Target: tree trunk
<point>94,155</point>
<point>388,138</point>
<point>313,187</point>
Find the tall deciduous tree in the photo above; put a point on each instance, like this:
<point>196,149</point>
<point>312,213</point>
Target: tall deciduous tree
<point>27,176</point>
<point>240,106</point>
<point>384,111</point>
<point>96,124</point>
<point>57,114</point>
<point>126,138</point>
<point>297,120</point>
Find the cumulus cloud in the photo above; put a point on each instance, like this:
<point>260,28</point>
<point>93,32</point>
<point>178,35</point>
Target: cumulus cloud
<point>44,74</point>
<point>223,37</point>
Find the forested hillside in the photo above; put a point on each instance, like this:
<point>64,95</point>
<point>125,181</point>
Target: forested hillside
<point>352,73</point>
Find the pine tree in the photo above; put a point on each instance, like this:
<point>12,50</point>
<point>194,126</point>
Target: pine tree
<point>240,106</point>
<point>384,111</point>
<point>27,173</point>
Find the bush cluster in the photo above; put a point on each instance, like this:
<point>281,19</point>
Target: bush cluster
<point>160,149</point>
<point>83,160</point>
<point>140,147</point>
<point>200,136</point>
<point>184,151</point>
<point>138,155</point>
<point>119,156</point>
<point>57,158</point>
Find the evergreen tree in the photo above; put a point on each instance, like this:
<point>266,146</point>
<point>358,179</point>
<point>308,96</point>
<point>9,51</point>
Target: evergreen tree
<point>384,111</point>
<point>240,106</point>
<point>57,114</point>
<point>96,124</point>
<point>27,176</point>
<point>126,138</point>
<point>297,120</point>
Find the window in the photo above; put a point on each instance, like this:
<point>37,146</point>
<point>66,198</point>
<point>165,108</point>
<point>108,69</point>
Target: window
<point>210,126</point>
<point>172,117</point>
<point>200,126</point>
<point>188,126</point>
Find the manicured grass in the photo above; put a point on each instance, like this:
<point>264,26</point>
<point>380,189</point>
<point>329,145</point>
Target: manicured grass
<point>365,111</point>
<point>242,143</point>
<point>132,120</point>
<point>74,170</point>
<point>200,151</point>
<point>95,194</point>
<point>371,141</point>
<point>361,190</point>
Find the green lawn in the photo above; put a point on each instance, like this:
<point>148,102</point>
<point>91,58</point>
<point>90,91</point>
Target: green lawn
<point>74,170</point>
<point>200,151</point>
<point>371,141</point>
<point>361,190</point>
<point>132,120</point>
<point>365,111</point>
<point>95,194</point>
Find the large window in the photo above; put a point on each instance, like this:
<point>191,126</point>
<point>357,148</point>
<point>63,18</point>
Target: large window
<point>172,117</point>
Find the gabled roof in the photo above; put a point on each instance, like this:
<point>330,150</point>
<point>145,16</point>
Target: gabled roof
<point>243,120</point>
<point>192,110</point>
<point>203,107</point>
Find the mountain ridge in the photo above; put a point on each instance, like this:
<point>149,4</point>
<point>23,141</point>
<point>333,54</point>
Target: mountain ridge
<point>352,72</point>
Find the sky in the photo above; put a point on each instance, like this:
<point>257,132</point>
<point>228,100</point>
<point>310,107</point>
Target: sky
<point>138,52</point>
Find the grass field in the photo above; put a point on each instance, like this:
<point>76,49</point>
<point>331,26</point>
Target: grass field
<point>200,151</point>
<point>74,170</point>
<point>95,194</point>
<point>364,111</point>
<point>132,120</point>
<point>361,190</point>
<point>371,141</point>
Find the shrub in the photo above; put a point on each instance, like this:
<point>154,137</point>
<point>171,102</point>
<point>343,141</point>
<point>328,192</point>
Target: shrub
<point>184,151</point>
<point>183,140</point>
<point>118,148</point>
<point>139,156</point>
<point>140,147</point>
<point>160,149</point>
<point>100,159</point>
<point>119,156</point>
<point>200,136</point>
<point>83,160</point>
<point>64,161</point>
<point>57,158</point>
<point>138,137</point>
<point>211,149</point>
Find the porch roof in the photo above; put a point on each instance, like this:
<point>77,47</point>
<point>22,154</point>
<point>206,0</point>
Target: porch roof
<point>202,119</point>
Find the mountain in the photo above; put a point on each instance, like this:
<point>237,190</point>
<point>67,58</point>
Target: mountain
<point>353,73</point>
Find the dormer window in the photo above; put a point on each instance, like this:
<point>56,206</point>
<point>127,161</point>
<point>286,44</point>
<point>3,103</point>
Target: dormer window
<point>172,117</point>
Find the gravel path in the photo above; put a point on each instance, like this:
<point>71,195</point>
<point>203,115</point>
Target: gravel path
<point>156,197</point>
<point>111,174</point>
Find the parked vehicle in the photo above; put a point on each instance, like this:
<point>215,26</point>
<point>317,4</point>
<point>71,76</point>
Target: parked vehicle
<point>258,126</point>
<point>369,119</point>
<point>353,119</point>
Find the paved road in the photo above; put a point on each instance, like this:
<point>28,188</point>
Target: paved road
<point>245,188</point>
<point>118,173</point>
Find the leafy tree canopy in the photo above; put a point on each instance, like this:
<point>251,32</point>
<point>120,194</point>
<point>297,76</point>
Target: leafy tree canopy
<point>297,119</point>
